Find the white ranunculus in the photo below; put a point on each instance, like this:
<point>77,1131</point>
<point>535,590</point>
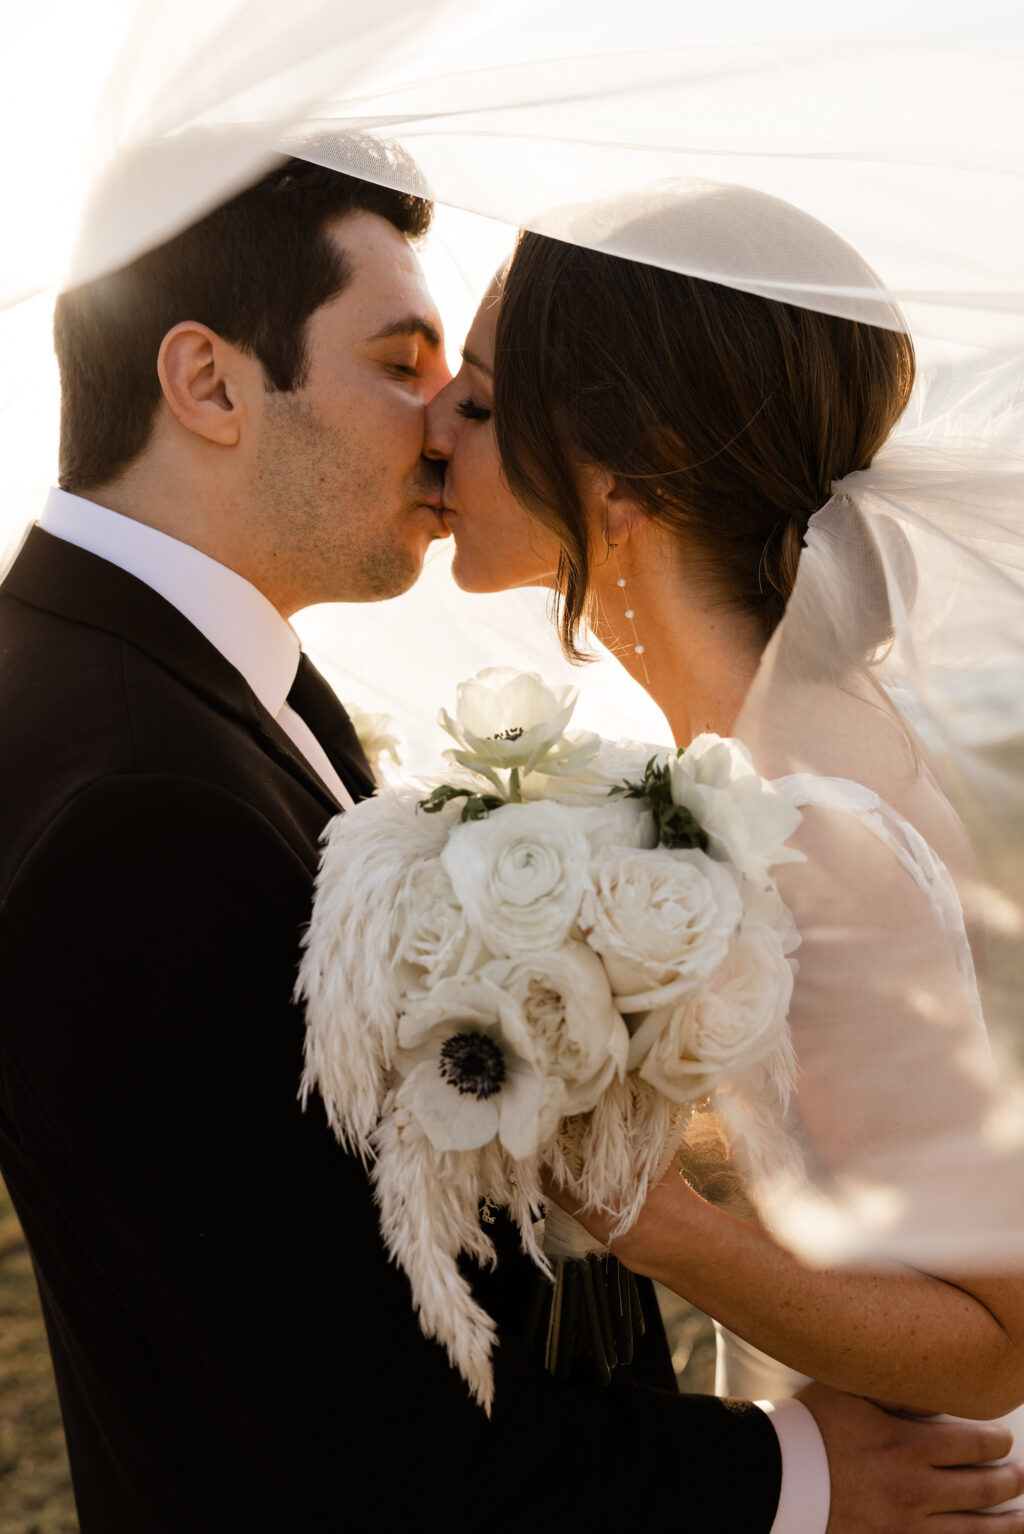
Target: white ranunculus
<point>518,875</point>
<point>469,1073</point>
<point>744,816</point>
<point>737,1020</point>
<point>661,921</point>
<point>437,941</point>
<point>512,719</point>
<point>572,1024</point>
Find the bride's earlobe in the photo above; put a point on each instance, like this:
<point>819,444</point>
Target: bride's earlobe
<point>622,517</point>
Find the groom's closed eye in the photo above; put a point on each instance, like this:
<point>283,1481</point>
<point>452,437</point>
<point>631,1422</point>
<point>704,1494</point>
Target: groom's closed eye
<point>416,348</point>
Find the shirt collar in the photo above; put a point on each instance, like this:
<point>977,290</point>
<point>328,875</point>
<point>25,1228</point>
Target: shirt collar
<point>228,610</point>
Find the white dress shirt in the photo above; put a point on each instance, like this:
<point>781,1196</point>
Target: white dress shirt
<point>806,1492</point>
<point>249,632</point>
<point>228,610</point>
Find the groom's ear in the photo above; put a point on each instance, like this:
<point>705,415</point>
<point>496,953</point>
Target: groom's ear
<point>202,378</point>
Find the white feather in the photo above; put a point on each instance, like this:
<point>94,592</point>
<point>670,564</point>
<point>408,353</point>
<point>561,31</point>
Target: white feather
<point>347,976</point>
<point>429,1212</point>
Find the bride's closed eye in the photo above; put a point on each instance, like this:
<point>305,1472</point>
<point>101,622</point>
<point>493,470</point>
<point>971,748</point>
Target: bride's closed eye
<point>472,411</point>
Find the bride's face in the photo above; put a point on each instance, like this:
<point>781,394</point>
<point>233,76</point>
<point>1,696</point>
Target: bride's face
<point>498,544</point>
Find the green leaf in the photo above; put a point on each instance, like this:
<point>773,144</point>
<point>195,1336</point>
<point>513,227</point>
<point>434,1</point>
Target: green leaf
<point>476,807</point>
<point>675,825</point>
<point>479,806</point>
<point>440,797</point>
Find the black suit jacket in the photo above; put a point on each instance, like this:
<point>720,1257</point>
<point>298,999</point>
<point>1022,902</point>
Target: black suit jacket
<point>233,1350</point>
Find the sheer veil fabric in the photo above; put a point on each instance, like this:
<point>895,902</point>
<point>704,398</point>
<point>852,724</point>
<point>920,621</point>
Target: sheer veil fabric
<point>687,137</point>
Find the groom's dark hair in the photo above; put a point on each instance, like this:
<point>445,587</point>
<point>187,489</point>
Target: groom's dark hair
<point>254,270</point>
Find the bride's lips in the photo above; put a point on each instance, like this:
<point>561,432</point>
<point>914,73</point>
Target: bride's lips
<point>435,505</point>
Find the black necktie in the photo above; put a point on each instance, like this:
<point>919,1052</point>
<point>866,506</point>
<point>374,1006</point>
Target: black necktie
<point>316,702</point>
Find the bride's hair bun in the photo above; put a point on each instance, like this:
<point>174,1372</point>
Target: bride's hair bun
<point>726,415</point>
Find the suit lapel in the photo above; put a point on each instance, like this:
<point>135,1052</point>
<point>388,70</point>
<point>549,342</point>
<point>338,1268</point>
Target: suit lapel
<point>58,577</point>
<point>279,744</point>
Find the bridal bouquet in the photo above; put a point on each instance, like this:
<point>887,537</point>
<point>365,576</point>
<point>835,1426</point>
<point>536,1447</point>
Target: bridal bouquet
<point>538,968</point>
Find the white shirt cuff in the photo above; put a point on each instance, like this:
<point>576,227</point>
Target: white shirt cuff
<point>806,1489</point>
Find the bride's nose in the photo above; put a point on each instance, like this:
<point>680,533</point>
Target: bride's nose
<point>441,427</point>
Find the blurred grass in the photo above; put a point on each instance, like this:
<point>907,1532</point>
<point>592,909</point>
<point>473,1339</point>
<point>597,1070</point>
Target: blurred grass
<point>35,1487</point>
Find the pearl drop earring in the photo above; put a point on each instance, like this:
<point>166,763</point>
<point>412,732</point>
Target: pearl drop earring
<point>638,648</point>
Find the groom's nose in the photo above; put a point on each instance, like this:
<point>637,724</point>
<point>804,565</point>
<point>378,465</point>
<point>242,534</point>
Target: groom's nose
<point>439,428</point>
<point>440,378</point>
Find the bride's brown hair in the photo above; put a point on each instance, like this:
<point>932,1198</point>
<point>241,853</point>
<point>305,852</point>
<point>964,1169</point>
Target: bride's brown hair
<point>724,415</point>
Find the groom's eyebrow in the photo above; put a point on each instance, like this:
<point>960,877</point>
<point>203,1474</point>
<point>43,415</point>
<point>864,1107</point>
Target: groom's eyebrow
<point>475,362</point>
<point>411,325</point>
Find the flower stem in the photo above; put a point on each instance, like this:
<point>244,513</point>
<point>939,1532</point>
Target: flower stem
<point>514,796</point>
<point>602,1365</point>
<point>599,1266</point>
<point>622,1310</point>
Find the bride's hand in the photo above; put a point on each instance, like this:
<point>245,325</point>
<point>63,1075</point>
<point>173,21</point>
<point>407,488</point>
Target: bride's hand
<point>670,1215</point>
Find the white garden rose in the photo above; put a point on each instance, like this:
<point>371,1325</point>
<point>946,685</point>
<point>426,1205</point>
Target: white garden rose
<point>507,719</point>
<point>519,874</point>
<point>469,1073</point>
<point>767,908</point>
<point>437,940</point>
<point>746,819</point>
<point>618,823</point>
<point>661,921</point>
<point>737,1020</point>
<point>572,1024</point>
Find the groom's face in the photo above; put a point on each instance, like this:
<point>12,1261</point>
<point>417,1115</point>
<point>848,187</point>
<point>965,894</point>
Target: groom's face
<point>338,468</point>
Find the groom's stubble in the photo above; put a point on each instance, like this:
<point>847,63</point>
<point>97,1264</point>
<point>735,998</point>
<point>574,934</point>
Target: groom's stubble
<point>322,493</point>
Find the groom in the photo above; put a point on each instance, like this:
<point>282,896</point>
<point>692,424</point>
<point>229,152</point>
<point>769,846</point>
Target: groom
<point>241,435</point>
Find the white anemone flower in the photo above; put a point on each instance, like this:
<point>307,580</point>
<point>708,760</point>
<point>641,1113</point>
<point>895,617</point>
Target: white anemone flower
<point>469,1071</point>
<point>507,719</point>
<point>746,819</point>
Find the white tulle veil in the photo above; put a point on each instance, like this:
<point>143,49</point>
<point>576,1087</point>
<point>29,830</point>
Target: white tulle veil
<point>594,121</point>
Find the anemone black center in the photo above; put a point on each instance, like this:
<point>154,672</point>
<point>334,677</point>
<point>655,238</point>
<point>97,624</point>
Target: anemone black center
<point>511,734</point>
<point>472,1062</point>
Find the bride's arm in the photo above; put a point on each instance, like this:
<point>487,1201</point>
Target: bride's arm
<point>930,1344</point>
<point>894,1089</point>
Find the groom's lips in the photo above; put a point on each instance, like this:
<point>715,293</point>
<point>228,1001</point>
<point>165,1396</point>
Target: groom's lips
<point>436,505</point>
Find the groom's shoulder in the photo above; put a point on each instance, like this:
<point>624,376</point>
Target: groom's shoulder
<point>87,718</point>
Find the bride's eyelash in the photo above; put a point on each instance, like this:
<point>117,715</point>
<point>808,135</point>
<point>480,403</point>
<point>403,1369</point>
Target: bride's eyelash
<point>473,412</point>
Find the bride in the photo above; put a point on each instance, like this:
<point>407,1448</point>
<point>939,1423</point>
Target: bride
<point>656,448</point>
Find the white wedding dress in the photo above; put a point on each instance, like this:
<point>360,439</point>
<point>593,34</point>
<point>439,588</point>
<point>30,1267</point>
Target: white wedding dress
<point>742,1370</point>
